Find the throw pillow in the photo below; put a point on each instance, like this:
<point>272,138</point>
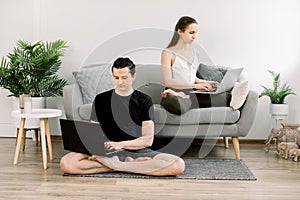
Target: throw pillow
<point>211,73</point>
<point>239,94</point>
<point>93,81</point>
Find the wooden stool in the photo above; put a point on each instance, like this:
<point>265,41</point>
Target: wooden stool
<point>43,115</point>
<point>36,131</point>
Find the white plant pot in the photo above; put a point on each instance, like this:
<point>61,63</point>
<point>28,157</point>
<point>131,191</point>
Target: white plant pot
<point>37,102</point>
<point>279,111</point>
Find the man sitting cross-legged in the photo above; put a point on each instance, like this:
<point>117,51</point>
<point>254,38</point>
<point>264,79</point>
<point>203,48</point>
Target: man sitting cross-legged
<point>125,116</point>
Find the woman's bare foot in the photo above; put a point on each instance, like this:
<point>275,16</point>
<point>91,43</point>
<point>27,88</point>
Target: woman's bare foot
<point>170,92</point>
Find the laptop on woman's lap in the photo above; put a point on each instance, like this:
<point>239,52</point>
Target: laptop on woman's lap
<point>230,78</point>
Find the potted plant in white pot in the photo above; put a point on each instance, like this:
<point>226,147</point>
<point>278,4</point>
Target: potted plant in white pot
<point>32,69</point>
<point>277,94</point>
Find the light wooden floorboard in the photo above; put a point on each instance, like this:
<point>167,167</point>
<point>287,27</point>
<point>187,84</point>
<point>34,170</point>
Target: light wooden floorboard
<point>277,178</point>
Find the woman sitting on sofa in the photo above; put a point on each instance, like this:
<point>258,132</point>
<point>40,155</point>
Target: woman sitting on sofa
<point>180,61</point>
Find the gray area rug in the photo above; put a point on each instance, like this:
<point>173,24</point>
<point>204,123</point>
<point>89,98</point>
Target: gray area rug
<point>195,169</point>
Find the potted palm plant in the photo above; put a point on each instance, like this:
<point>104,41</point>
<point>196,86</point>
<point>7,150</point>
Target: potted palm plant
<point>277,95</point>
<point>31,69</point>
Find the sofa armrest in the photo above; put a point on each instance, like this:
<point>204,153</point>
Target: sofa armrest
<point>72,98</point>
<point>248,113</point>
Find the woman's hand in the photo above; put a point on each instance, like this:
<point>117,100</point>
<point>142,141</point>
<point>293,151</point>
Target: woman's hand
<point>214,83</point>
<point>203,86</point>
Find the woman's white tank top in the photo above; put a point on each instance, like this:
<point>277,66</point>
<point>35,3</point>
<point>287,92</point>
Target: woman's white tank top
<point>183,71</point>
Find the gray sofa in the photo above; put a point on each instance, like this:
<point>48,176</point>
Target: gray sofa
<point>203,123</point>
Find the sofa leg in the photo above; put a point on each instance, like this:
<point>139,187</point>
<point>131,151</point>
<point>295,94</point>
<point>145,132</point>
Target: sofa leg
<point>226,142</point>
<point>236,146</point>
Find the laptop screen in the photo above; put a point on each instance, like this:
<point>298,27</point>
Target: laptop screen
<point>82,137</point>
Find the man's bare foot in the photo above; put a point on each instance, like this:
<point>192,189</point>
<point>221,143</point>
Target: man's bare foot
<point>129,159</point>
<point>110,162</point>
<point>142,158</point>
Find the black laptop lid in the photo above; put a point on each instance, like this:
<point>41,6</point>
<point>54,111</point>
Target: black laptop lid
<point>82,137</point>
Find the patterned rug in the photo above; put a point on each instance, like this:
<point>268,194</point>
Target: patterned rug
<point>195,169</point>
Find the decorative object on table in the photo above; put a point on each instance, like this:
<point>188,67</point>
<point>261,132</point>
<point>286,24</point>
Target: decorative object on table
<point>288,133</point>
<point>27,104</point>
<point>285,147</point>
<point>32,69</point>
<point>23,99</point>
<point>294,154</point>
<point>277,95</point>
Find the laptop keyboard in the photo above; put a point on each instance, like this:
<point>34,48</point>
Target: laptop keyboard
<point>113,152</point>
<point>212,90</point>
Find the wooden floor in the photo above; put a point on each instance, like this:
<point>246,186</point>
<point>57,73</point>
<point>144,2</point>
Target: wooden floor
<point>276,178</point>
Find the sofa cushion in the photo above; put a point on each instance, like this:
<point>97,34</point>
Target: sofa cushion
<point>154,90</point>
<point>214,115</point>
<point>85,111</point>
<point>94,79</point>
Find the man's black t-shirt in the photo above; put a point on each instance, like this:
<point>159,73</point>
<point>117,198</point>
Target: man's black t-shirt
<point>121,117</point>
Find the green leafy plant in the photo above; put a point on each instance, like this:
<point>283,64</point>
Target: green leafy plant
<point>32,69</point>
<point>277,94</point>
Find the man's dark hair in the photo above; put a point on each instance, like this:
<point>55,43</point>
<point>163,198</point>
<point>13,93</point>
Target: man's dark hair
<point>124,62</point>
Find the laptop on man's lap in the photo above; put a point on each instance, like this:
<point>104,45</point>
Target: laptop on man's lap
<point>84,137</point>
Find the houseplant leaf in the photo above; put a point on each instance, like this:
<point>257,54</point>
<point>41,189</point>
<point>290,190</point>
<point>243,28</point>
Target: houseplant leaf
<point>32,69</point>
<point>277,94</point>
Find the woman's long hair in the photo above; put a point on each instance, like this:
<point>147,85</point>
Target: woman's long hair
<point>182,24</point>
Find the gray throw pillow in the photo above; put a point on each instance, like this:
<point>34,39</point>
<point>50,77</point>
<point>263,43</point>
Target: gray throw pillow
<point>94,80</point>
<point>211,73</point>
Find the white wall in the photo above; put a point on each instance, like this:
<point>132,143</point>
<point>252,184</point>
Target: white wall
<point>16,19</point>
<point>256,34</point>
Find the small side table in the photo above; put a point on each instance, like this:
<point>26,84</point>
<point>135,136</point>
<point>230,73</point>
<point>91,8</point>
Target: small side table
<point>43,115</point>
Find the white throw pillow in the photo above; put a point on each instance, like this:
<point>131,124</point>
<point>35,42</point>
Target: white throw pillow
<point>239,94</point>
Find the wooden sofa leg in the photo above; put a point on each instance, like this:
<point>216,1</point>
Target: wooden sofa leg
<point>236,146</point>
<point>226,142</point>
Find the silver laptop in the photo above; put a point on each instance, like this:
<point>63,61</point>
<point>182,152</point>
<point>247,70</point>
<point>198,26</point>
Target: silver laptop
<point>230,78</point>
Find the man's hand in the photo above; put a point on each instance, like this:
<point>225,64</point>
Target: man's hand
<point>113,146</point>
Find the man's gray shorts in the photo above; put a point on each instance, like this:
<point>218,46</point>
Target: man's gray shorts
<point>146,152</point>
